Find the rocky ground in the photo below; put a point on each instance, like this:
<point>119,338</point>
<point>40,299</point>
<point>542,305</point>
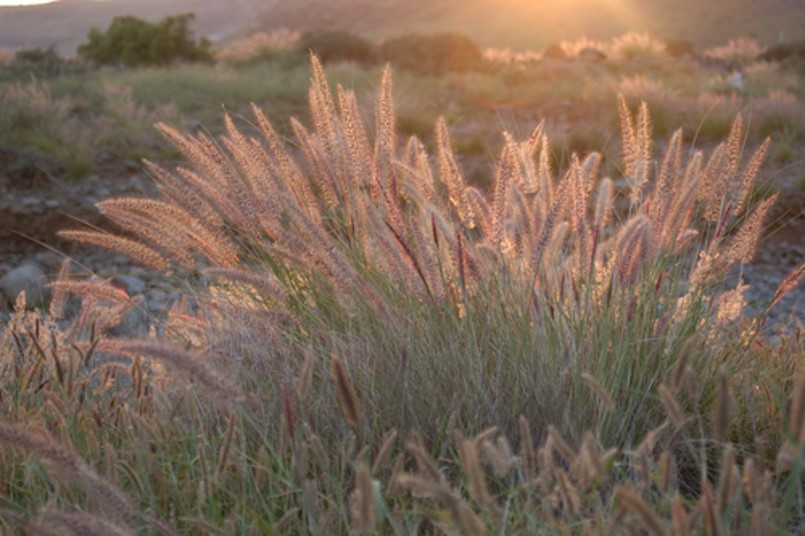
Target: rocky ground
<point>31,252</point>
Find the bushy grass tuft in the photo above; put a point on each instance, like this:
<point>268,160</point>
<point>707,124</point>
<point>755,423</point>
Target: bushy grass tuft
<point>367,343</point>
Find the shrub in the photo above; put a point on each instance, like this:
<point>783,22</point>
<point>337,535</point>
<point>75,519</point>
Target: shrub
<point>555,51</point>
<point>679,48</point>
<point>337,45</point>
<point>342,290</point>
<point>784,51</point>
<point>738,52</point>
<point>259,46</point>
<point>38,63</point>
<point>635,46</point>
<point>134,42</point>
<point>433,54</point>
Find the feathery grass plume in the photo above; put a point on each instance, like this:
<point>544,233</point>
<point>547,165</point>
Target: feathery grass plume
<point>636,139</point>
<point>181,359</point>
<point>562,447</point>
<point>667,182</point>
<point>228,190</point>
<point>631,249</point>
<point>468,454</point>
<point>498,454</point>
<point>131,248</point>
<point>9,517</point>
<point>680,521</point>
<point>633,502</point>
<point>383,453</point>
<point>83,524</point>
<point>707,503</point>
<point>545,174</point>
<point>628,135</point>
<point>601,393</point>
<point>224,450</point>
<point>551,217</point>
<point>98,290</point>
<point>743,245</point>
<point>322,108</point>
<point>710,184</point>
<point>69,468</point>
<point>529,180</point>
<point>604,204</point>
<point>417,165</point>
<point>751,170</point>
<point>724,409</point>
<point>363,516</point>
<point>579,215</point>
<point>730,304</point>
<point>217,163</point>
<point>386,130</point>
<point>672,407</point>
<point>348,399</point>
<point>668,472</point>
<point>358,149</point>
<point>171,247</point>
<point>260,280</point>
<point>789,283</point>
<point>527,455</point>
<point>450,175</point>
<point>681,209</point>
<point>506,170</point>
<point>58,298</point>
<point>458,511</point>
<point>796,421</point>
<point>729,481</point>
<point>190,198</point>
<point>593,459</point>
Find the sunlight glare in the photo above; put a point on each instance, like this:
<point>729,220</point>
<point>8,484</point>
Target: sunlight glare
<point>18,3</point>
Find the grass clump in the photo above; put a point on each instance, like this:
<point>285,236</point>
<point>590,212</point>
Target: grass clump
<point>558,354</point>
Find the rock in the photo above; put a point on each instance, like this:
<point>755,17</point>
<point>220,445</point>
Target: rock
<point>133,324</point>
<point>29,277</point>
<point>50,261</point>
<point>157,301</point>
<point>132,285</point>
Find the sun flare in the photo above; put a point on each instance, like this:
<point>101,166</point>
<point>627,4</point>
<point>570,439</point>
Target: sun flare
<point>17,3</point>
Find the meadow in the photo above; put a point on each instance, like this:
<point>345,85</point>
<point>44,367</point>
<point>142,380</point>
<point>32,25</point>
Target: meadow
<point>480,302</point>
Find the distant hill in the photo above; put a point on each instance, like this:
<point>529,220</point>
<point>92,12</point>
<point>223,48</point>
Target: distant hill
<point>536,23</point>
<point>65,24</point>
<point>501,23</point>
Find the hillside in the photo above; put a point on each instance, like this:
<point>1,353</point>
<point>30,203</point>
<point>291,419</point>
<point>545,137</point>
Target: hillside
<point>501,23</point>
<point>65,24</point>
<point>536,23</point>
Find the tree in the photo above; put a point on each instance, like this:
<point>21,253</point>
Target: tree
<point>134,42</point>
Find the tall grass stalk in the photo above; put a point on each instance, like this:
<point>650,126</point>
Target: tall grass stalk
<point>349,285</point>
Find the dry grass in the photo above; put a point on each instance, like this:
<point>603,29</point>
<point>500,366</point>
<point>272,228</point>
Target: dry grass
<point>349,285</point>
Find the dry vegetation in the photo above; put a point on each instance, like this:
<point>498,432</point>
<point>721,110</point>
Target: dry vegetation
<point>370,344</point>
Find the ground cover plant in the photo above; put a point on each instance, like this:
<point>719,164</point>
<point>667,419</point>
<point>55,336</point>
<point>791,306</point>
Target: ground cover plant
<point>502,91</point>
<point>368,343</point>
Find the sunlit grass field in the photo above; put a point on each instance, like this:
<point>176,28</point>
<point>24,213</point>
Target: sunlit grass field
<point>488,302</point>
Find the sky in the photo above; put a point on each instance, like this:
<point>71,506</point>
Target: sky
<point>23,2</point>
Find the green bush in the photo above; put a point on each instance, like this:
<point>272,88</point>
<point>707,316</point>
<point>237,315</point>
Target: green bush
<point>38,63</point>
<point>337,45</point>
<point>678,48</point>
<point>433,54</point>
<point>784,51</point>
<point>133,42</point>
